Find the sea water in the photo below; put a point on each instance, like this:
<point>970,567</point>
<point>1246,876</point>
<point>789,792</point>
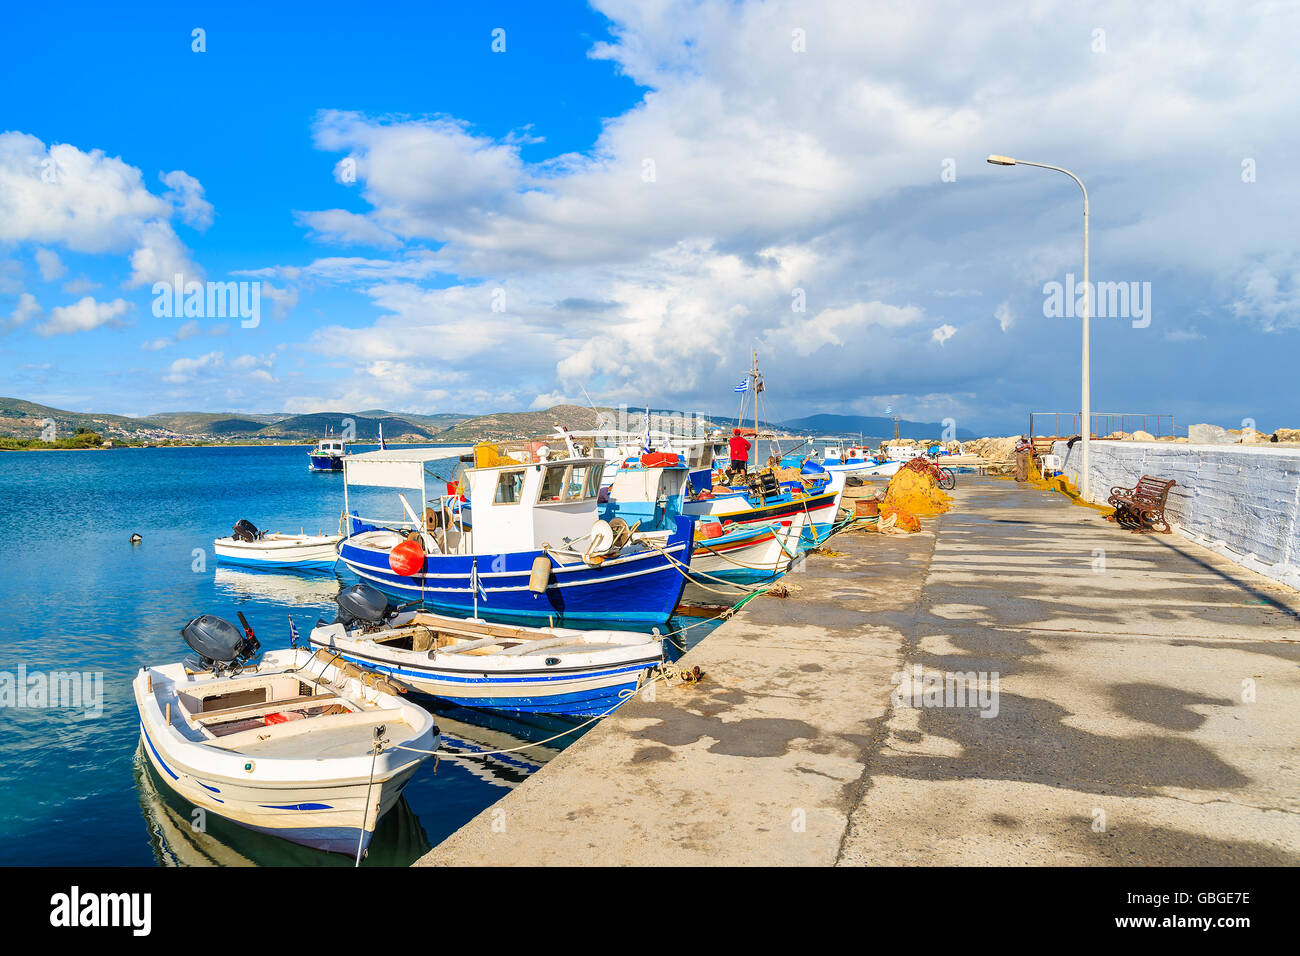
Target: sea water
<point>76,595</point>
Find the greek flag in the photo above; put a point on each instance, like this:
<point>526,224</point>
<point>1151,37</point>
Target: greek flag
<point>475,584</point>
<point>743,386</point>
<point>293,633</point>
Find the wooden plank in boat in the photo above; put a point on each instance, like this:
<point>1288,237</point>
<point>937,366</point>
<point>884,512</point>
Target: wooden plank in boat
<point>442,625</point>
<point>223,714</point>
<point>699,610</point>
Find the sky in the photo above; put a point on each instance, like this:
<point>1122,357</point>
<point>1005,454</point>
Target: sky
<point>503,206</point>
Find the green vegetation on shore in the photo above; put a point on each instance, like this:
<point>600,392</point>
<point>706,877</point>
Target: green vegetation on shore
<point>82,438</point>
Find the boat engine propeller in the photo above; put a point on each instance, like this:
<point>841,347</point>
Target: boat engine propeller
<point>220,646</point>
<point>245,530</point>
<point>362,605</point>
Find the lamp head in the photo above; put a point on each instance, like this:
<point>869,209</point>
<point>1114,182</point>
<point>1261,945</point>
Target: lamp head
<point>997,160</point>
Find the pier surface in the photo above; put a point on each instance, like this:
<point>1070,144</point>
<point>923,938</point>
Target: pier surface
<point>1147,712</point>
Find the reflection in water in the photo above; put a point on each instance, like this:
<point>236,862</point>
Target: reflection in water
<point>399,838</point>
<point>300,588</point>
<point>468,732</point>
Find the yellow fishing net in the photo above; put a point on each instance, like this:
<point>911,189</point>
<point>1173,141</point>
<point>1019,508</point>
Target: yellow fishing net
<point>488,455</point>
<point>916,493</point>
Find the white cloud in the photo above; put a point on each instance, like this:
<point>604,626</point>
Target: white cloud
<point>347,228</point>
<point>186,195</point>
<point>84,315</point>
<point>50,264</point>
<point>27,309</point>
<point>943,333</point>
<point>187,369</point>
<point>88,202</point>
<point>1006,318</point>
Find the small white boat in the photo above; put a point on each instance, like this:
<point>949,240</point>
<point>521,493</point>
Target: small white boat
<point>271,550</point>
<point>476,663</point>
<point>298,746</point>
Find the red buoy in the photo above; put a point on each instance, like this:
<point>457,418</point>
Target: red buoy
<point>407,558</point>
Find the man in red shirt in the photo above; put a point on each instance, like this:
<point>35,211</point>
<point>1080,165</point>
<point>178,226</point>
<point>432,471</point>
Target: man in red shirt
<point>739,452</point>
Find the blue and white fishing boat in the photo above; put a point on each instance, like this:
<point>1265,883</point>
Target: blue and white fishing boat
<point>536,549</point>
<point>769,500</point>
<point>858,461</point>
<point>490,666</point>
<point>328,455</point>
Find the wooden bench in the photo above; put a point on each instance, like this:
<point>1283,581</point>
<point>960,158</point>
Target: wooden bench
<point>1142,507</point>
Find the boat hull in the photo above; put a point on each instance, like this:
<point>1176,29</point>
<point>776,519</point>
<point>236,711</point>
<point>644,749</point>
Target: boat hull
<point>324,463</point>
<point>750,554</point>
<point>640,588</point>
<point>585,692</point>
<point>312,554</point>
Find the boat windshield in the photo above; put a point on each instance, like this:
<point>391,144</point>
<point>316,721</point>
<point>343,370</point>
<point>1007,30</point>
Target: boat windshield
<point>510,486</point>
<point>569,483</point>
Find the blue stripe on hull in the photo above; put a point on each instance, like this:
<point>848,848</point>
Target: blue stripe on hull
<point>586,703</point>
<point>277,565</point>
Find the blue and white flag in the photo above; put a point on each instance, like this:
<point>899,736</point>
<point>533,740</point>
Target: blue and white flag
<point>475,584</point>
<point>293,633</point>
<point>382,446</point>
<point>743,386</point>
<point>889,409</point>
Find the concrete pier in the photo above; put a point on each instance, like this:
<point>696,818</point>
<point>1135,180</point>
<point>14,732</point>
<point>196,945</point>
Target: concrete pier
<point>1147,711</point>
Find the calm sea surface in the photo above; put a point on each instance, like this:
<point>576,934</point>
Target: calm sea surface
<point>76,595</point>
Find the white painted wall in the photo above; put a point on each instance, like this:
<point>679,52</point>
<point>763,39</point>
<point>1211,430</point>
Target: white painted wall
<point>1242,501</point>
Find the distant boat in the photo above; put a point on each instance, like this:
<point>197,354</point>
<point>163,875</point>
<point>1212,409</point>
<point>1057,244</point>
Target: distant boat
<point>475,663</point>
<point>269,550</point>
<point>328,455</point>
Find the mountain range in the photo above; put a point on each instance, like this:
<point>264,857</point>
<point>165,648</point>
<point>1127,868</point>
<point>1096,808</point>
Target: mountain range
<point>23,419</point>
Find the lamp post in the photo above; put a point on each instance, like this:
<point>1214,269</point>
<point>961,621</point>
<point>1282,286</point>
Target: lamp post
<point>1086,429</point>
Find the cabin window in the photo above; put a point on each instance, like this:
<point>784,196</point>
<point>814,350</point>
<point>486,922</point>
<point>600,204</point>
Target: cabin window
<point>553,484</point>
<point>510,487</point>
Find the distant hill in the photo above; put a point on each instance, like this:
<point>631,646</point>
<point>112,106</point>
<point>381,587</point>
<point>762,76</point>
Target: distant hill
<point>437,423</point>
<point>212,423</point>
<point>515,426</point>
<point>871,426</point>
<point>365,429</point>
<point>27,420</point>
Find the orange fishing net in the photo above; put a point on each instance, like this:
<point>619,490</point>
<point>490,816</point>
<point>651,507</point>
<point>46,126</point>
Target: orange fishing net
<point>915,492</point>
<point>902,518</point>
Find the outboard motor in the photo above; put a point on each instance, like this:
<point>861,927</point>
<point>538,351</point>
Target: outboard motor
<point>361,604</point>
<point>245,530</point>
<point>218,644</point>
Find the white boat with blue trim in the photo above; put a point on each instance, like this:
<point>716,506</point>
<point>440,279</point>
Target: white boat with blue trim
<point>247,547</point>
<point>297,746</point>
<point>489,666</point>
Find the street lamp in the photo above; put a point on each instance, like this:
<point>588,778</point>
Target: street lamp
<point>996,160</point>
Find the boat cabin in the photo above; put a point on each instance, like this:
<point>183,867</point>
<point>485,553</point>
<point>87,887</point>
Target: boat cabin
<point>521,507</point>
<point>329,446</point>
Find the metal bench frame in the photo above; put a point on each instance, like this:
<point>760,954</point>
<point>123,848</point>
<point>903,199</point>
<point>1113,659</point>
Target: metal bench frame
<point>1142,507</point>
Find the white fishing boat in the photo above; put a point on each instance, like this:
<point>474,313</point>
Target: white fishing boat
<point>298,746</point>
<point>476,663</point>
<point>270,550</point>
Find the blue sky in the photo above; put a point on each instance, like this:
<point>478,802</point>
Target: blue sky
<point>629,196</point>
